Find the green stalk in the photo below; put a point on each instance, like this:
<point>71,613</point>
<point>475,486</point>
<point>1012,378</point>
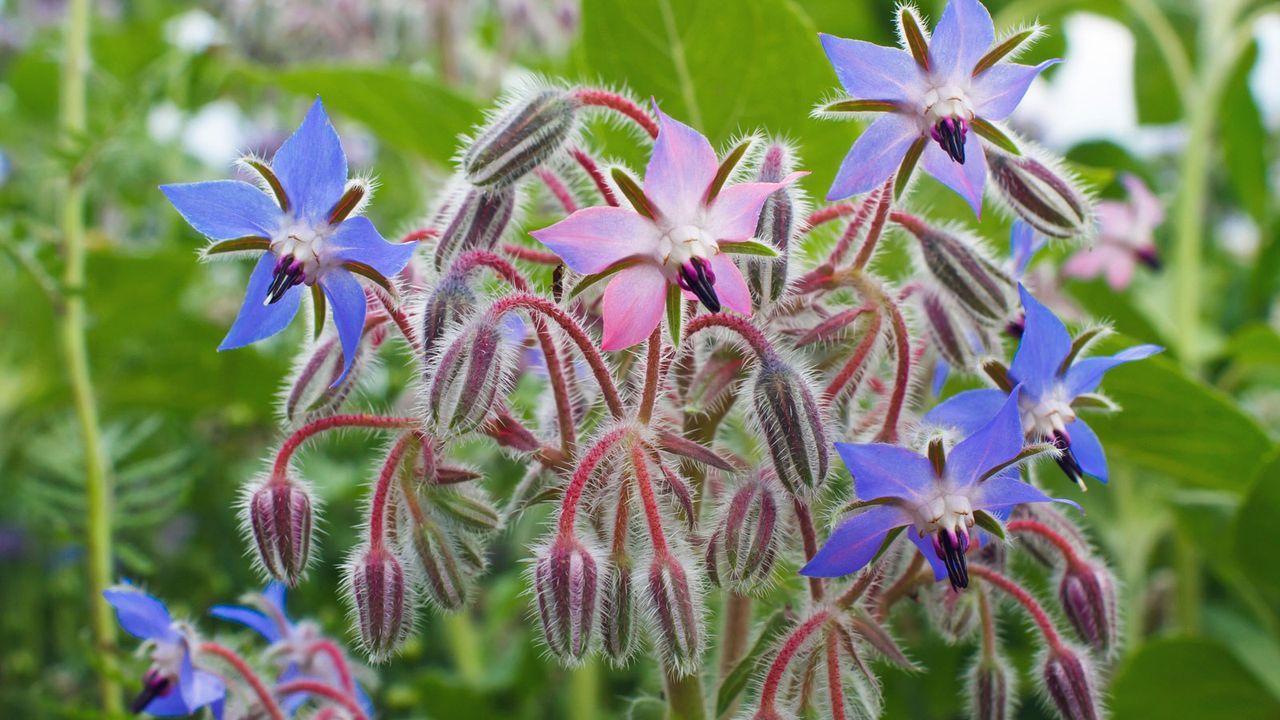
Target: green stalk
<point>583,691</point>
<point>684,697</point>
<point>97,483</point>
<point>1189,225</point>
<point>465,646</point>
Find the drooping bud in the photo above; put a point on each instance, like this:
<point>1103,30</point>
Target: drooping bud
<point>955,613</point>
<point>767,277</point>
<point>947,335</point>
<point>990,682</point>
<point>312,394</point>
<point>384,611</point>
<point>565,582</point>
<point>964,272</point>
<point>525,134</point>
<point>677,615</point>
<point>451,302</point>
<point>618,611</point>
<point>793,426</point>
<point>280,517</point>
<point>466,378</point>
<point>1088,595</point>
<point>475,220</point>
<point>1070,685</point>
<point>1041,195</point>
<point>443,575</point>
<point>747,537</point>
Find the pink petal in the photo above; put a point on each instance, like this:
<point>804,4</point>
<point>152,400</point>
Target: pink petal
<point>1090,262</point>
<point>1115,221</point>
<point>1148,211</point>
<point>633,306</point>
<point>968,179</point>
<point>731,288</point>
<point>680,169</point>
<point>1120,272</point>
<point>591,240</point>
<point>735,212</point>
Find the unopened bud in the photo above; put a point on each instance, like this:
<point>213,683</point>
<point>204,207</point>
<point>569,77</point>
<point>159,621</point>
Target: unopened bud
<point>989,684</point>
<point>565,582</point>
<point>1046,198</point>
<point>954,612</point>
<point>767,277</point>
<point>451,302</point>
<point>964,272</point>
<point>521,137</point>
<point>443,577</point>
<point>280,517</point>
<point>618,611</point>
<point>468,508</point>
<point>475,220</point>
<point>676,613</point>
<point>384,613</point>
<point>465,380</point>
<point>1088,596</point>
<point>312,394</point>
<point>748,537</point>
<point>713,388</point>
<point>793,427</point>
<point>1070,684</point>
<point>947,335</point>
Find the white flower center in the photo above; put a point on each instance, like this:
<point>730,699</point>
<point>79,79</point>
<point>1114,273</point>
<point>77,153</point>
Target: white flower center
<point>946,101</point>
<point>305,243</point>
<point>1050,413</point>
<point>682,243</point>
<point>948,510</point>
<point>166,658</point>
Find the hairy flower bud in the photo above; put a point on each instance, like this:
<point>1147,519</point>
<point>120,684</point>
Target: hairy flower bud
<point>990,682</point>
<point>521,137</point>
<point>1070,685</point>
<point>384,611</point>
<point>451,302</point>
<point>280,517</point>
<point>475,220</point>
<point>677,616</point>
<point>312,394</point>
<point>443,576</point>
<point>793,427</point>
<point>954,612</point>
<point>566,581</point>
<point>618,610</point>
<point>1041,195</point>
<point>947,335</point>
<point>767,277</point>
<point>469,508</point>
<point>964,272</point>
<point>1088,596</point>
<point>466,378</point>
<point>747,538</point>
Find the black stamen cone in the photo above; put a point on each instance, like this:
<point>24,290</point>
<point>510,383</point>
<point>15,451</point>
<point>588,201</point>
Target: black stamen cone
<point>698,283</point>
<point>286,277</point>
<point>1148,257</point>
<point>1067,459</point>
<point>953,557</point>
<point>154,686</point>
<point>950,132</point>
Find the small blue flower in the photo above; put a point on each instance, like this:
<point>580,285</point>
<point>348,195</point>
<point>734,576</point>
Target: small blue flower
<point>308,234</point>
<point>1024,243</point>
<point>1052,380</point>
<point>939,498</point>
<point>172,687</point>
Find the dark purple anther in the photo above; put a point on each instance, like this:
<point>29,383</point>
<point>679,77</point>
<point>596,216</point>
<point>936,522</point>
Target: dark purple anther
<point>696,277</point>
<point>951,547</point>
<point>154,685</point>
<point>1147,256</point>
<point>287,274</point>
<point>1067,459</point>
<point>950,133</point>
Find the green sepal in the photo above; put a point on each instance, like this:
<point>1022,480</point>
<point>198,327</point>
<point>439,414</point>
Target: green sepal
<point>749,247</point>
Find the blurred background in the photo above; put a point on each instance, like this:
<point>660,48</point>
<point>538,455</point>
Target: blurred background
<point>1184,94</point>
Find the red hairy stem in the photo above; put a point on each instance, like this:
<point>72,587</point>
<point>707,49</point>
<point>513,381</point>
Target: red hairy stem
<point>520,252</point>
<point>325,691</point>
<point>593,171</point>
<point>472,259</point>
<point>792,645</point>
<point>339,661</point>
<point>1023,598</point>
<point>851,233</point>
<point>619,104</point>
<point>382,490</point>
<point>909,221</point>
<point>401,320</point>
<point>578,481</point>
<point>653,364</point>
<point>877,227</point>
<point>855,591</point>
<point>900,587</point>
<point>856,361</point>
<point>652,515</point>
<point>831,212</point>
<point>810,538</point>
<point>575,332</point>
<point>834,688</point>
<point>299,436</point>
<point>743,327</point>
<point>230,657</point>
<point>558,189</point>
<point>1038,528</point>
<point>420,234</point>
<point>901,377</point>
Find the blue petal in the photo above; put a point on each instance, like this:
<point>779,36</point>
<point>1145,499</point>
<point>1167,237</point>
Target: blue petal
<point>1085,375</point>
<point>998,90</point>
<point>275,595</point>
<point>142,615</point>
<point>358,240</point>
<point>171,704</point>
<point>855,542</point>
<point>961,38</point>
<point>187,679</point>
<point>362,697</point>
<point>207,689</point>
<point>875,155</point>
<point>1045,344</point>
<point>940,373</point>
<point>1003,493</point>
<point>225,209</point>
<point>880,470</point>
<point>257,321</point>
<point>312,167</point>
<point>1024,243</point>
<point>997,442</point>
<point>292,702</point>
<point>347,301</point>
<point>874,72</point>
<point>968,179</point>
<point>967,411</point>
<point>926,548</point>
<point>252,619</point>
<point>1087,449</point>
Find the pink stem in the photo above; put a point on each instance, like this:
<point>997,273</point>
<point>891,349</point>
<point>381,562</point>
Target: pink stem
<point>230,657</point>
<point>401,320</point>
<point>877,226</point>
<point>756,339</point>
<point>328,692</point>
<point>810,540</point>
<point>382,490</point>
<point>650,502</point>
<point>795,641</point>
<point>420,234</point>
<point>902,376</point>
<point>834,687</point>
<point>831,212</point>
<point>520,252</point>
<point>558,189</point>
<point>855,227</point>
<point>1015,591</point>
<point>618,104</point>
<point>380,422</point>
<point>339,661</point>
<point>578,481</point>
<point>1038,528</point>
<point>856,361</point>
<point>597,176</point>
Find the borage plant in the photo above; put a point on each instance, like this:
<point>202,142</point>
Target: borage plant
<point>697,373</point>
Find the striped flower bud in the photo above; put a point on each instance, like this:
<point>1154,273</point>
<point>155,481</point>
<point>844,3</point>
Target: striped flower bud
<point>475,220</point>
<point>1046,198</point>
<point>384,611</point>
<point>468,508</point>
<point>793,426</point>
<point>451,302</point>
<point>618,611</point>
<point>747,538</point>
<point>312,394</point>
<point>954,612</point>
<point>279,515</point>
<point>964,272</point>
<point>465,380</point>
<point>676,613</point>
<point>520,137</point>
<point>442,569</point>
<point>947,336</point>
<point>713,388</point>
<point>1088,595</point>
<point>565,582</point>
<point>989,684</point>
<point>767,277</point>
<point>1070,685</point>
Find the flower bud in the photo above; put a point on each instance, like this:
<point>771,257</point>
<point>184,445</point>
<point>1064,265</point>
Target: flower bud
<point>618,611</point>
<point>468,508</point>
<point>384,613</point>
<point>989,682</point>
<point>964,272</point>
<point>1042,196</point>
<point>767,277</point>
<point>565,582</point>
<point>947,336</point>
<point>475,220</point>
<point>312,394</point>
<point>521,137</point>
<point>1088,595</point>
<point>465,380</point>
<point>747,538</point>
<point>676,613</point>
<point>713,387</point>
<point>954,612</point>
<point>792,423</point>
<point>443,577</point>
<point>451,302</point>
<point>1069,683</point>
<point>279,514</point>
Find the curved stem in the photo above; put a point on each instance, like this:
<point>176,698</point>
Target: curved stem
<point>651,372</point>
<point>338,659</point>
<point>877,226</point>
<point>619,104</point>
<point>593,171</point>
<point>230,657</point>
<point>328,692</point>
<point>1168,45</point>
<point>1015,591</point>
<point>578,481</point>
<point>520,252</point>
<point>302,434</point>
<point>558,189</point>
<point>737,631</point>
<point>740,325</point>
<point>901,377</point>
<point>1038,528</point>
<point>401,320</point>
<point>794,641</point>
<point>832,212</point>
<point>988,627</point>
<point>382,490</point>
<point>649,500</point>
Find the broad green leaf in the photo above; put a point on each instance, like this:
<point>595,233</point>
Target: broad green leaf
<point>1191,678</point>
<point>1256,345</point>
<point>736,681</point>
<point>1244,139</point>
<point>1154,89</point>
<point>1254,531</point>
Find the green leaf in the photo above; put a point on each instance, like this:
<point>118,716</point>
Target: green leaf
<point>1154,88</point>
<point>748,247</point>
<point>736,681</point>
<point>1244,139</point>
<point>1254,532</point>
<point>1191,678</point>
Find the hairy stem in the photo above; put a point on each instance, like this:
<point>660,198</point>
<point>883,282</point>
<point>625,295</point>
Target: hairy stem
<point>738,324</point>
<point>792,645</point>
<point>684,696</point>
<point>382,490</point>
<point>619,104</point>
<point>328,692</point>
<point>302,434</point>
<point>805,519</point>
<point>1023,598</point>
<point>737,630</point>
<point>652,369</point>
<point>229,656</point>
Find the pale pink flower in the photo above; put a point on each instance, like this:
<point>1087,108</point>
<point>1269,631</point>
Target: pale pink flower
<point>1124,238</point>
